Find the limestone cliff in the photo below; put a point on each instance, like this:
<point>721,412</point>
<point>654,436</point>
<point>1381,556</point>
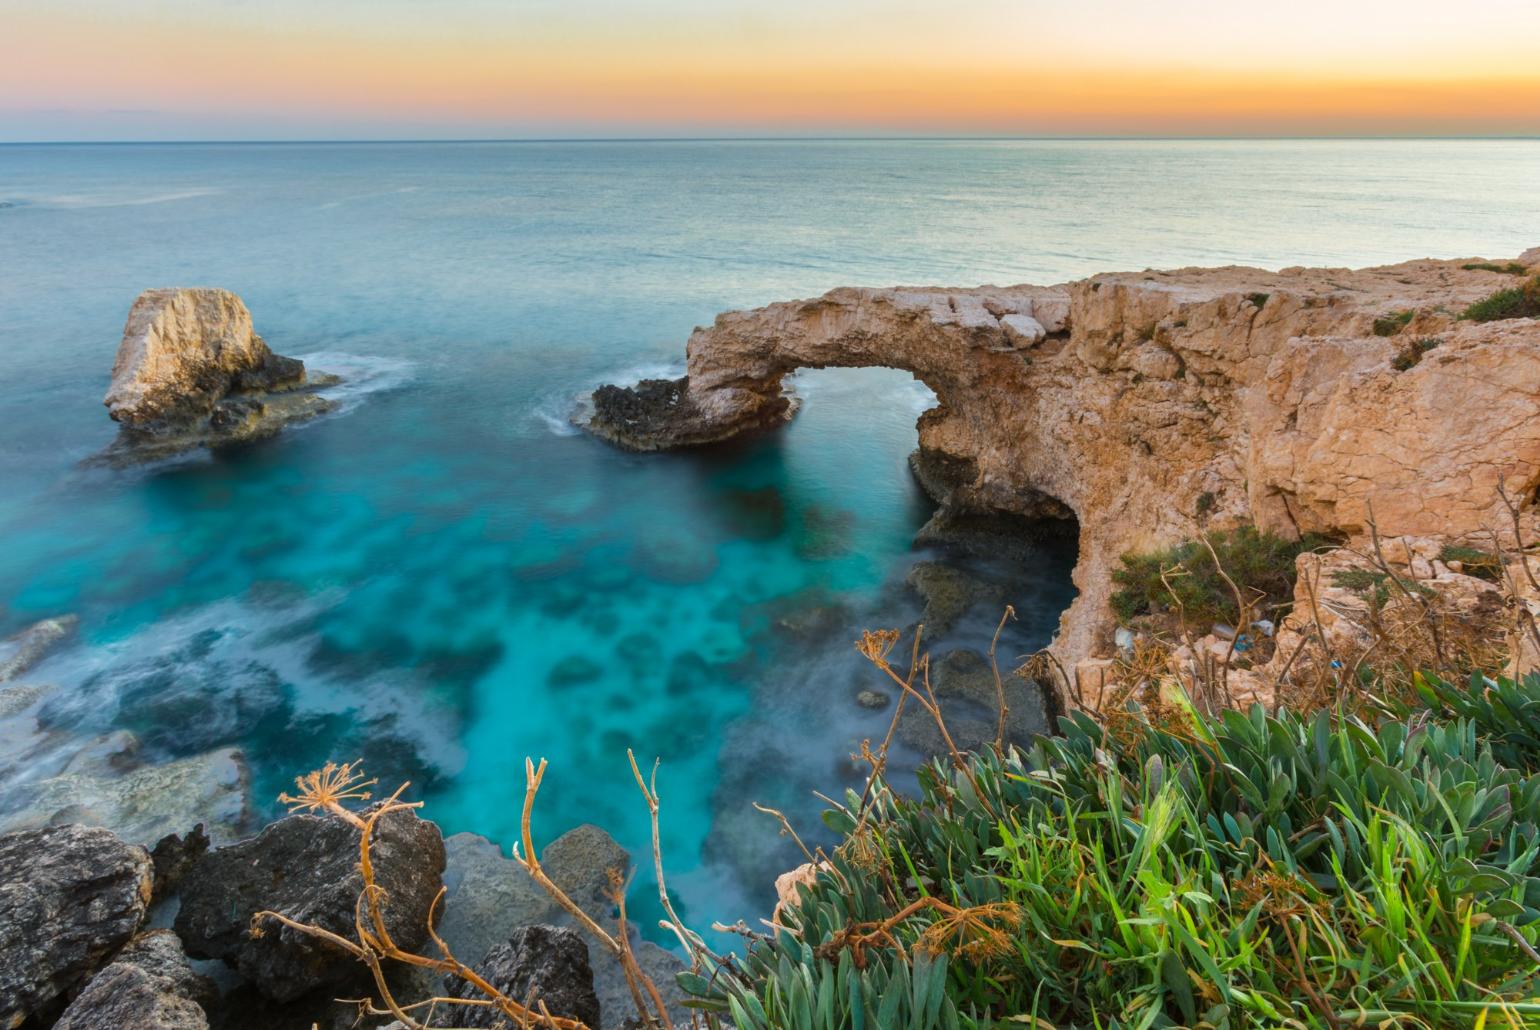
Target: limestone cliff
<point>191,370</point>
<point>1155,404</point>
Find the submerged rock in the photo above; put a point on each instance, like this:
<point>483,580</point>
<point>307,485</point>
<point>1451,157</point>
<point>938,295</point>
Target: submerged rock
<point>966,690</point>
<point>306,867</point>
<point>537,965</point>
<point>69,897</point>
<point>949,594</point>
<point>101,787</point>
<point>23,650</point>
<point>149,986</point>
<point>191,371</point>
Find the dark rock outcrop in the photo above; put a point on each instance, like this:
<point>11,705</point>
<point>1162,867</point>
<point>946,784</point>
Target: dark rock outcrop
<point>174,856</point>
<point>148,986</point>
<point>69,897</point>
<point>306,867</point>
<point>191,371</point>
<point>949,593</point>
<point>658,414</point>
<point>538,964</point>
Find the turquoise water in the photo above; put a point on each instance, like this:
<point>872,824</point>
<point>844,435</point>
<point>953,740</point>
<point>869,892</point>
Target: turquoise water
<point>444,578</point>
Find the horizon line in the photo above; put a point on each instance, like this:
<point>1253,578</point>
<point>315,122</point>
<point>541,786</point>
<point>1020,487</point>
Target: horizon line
<point>386,140</point>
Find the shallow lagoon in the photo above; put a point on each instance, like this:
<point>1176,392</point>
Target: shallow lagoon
<point>445,578</point>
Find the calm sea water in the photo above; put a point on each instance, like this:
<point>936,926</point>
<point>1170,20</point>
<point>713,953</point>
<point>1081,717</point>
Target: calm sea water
<point>444,578</point>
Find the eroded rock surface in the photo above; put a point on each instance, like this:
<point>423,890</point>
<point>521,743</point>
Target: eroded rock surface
<point>70,896</point>
<point>306,867</point>
<point>1156,404</point>
<point>23,650</point>
<point>148,986</point>
<point>536,965</point>
<point>191,371</point>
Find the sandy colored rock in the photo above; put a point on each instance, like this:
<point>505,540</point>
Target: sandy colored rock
<point>191,370</point>
<point>1269,392</point>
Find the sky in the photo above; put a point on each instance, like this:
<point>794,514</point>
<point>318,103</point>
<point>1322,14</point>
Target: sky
<point>461,69</point>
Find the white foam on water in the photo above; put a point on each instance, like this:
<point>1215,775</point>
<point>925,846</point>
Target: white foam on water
<point>93,200</point>
<point>560,413</point>
<point>362,375</point>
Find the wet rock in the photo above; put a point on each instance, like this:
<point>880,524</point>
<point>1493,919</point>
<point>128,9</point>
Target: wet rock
<point>657,414</point>
<point>144,804</point>
<point>148,986</point>
<point>940,474</point>
<point>1000,536</point>
<point>949,594</point>
<point>191,371</point>
<point>672,554</point>
<point>21,697</point>
<point>659,964</point>
<point>21,651</point>
<point>174,856</point>
<point>536,965</point>
<point>965,688</point>
<point>758,514</point>
<point>306,867</point>
<point>69,897</point>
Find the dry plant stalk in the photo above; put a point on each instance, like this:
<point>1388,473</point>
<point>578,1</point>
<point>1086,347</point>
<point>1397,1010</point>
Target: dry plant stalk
<point>875,646</point>
<point>326,789</point>
<point>375,945</point>
<point>977,933</point>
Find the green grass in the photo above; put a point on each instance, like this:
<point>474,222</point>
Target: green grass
<point>1474,562</point>
<point>1393,323</point>
<point>1258,299</point>
<point>1410,356</point>
<point>1260,563</point>
<point>1236,872</point>
<point>1515,302</point>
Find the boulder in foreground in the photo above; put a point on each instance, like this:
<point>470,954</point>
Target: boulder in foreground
<point>306,867</point>
<point>69,897</point>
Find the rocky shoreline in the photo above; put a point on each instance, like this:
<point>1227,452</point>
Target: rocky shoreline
<point>99,934</point>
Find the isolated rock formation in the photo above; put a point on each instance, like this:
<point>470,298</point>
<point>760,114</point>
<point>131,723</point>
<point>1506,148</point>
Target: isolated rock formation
<point>70,896</point>
<point>306,867</point>
<point>1155,404</point>
<point>192,371</point>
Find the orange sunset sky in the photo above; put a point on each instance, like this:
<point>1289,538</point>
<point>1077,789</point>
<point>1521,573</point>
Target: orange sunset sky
<point>274,69</point>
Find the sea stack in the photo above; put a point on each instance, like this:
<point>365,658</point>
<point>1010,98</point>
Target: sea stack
<point>191,371</point>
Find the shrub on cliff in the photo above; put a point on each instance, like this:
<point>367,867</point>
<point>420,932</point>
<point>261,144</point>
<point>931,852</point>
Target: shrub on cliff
<point>1515,302</point>
<point>1186,581</point>
<point>1231,872</point>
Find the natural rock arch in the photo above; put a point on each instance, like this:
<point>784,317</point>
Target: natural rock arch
<point>1155,405</point>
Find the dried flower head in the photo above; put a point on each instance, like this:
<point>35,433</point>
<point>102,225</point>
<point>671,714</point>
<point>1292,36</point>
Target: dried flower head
<point>329,786</point>
<point>876,644</point>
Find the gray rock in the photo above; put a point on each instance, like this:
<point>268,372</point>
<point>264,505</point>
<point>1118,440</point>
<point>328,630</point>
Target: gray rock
<point>148,986</point>
<point>69,897</point>
<point>537,964</point>
<point>174,856</point>
<point>491,897</point>
<point>23,650</point>
<point>966,691</point>
<point>488,896</point>
<point>580,861</point>
<point>873,699</point>
<point>306,867</point>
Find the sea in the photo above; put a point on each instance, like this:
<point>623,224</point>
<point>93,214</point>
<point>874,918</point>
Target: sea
<point>444,577</point>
